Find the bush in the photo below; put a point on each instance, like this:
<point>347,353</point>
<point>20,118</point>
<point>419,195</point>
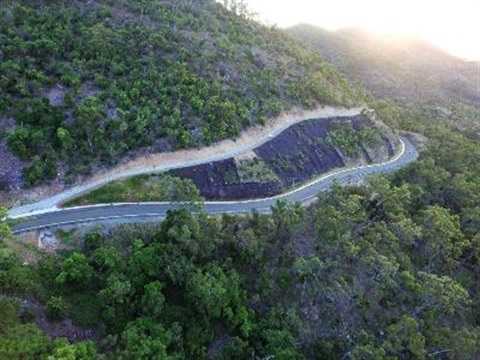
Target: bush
<point>56,308</point>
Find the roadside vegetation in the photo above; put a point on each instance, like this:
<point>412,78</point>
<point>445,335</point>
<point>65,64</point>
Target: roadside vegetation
<point>162,187</point>
<point>255,170</point>
<point>350,141</point>
<point>383,270</point>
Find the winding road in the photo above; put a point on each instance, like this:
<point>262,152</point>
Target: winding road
<point>248,140</point>
<point>54,217</point>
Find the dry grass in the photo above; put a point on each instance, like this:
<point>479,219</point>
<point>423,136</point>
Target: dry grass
<point>249,155</point>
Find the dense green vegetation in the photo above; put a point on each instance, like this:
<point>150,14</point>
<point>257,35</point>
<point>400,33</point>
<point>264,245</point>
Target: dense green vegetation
<point>388,270</point>
<point>142,188</point>
<point>255,170</point>
<point>88,82</point>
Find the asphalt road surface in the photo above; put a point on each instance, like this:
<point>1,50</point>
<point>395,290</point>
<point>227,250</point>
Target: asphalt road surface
<point>150,211</point>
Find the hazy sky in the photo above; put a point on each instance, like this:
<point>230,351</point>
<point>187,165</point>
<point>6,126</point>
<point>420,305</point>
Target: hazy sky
<point>453,25</point>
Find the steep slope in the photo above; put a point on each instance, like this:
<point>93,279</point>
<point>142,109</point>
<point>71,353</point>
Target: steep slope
<point>299,153</point>
<point>89,82</point>
<point>404,68</point>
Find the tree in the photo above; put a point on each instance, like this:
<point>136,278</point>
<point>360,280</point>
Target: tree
<point>117,291</point>
<point>388,202</point>
<point>92,241</point>
<point>307,270</point>
<point>338,215</point>
<point>144,339</point>
<point>18,140</point>
<point>81,350</point>
<point>34,173</point>
<point>14,277</point>
<point>152,300</point>
<point>106,259</point>
<point>171,188</point>
<point>8,315</point>
<point>4,228</point>
<point>56,308</point>
<point>280,344</point>
<point>442,242</point>
<point>249,245</point>
<point>405,340</point>
<point>215,294</point>
<point>65,140</point>
<point>441,295</point>
<point>286,217</point>
<point>24,341</point>
<point>208,292</point>
<point>76,271</point>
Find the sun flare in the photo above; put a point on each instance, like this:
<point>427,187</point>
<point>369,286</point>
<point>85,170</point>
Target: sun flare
<point>451,25</point>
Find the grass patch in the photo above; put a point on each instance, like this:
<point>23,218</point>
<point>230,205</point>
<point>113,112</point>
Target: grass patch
<point>347,139</point>
<point>255,170</point>
<point>139,188</point>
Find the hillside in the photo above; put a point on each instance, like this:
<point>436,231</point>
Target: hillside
<point>387,269</point>
<point>390,66</point>
<point>86,83</point>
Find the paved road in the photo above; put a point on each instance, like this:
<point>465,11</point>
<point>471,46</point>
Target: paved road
<point>144,211</point>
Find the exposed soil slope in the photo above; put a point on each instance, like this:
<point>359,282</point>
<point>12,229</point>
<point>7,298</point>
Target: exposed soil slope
<point>294,156</point>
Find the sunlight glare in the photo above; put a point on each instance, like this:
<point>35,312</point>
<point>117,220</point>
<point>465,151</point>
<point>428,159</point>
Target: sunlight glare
<point>451,25</point>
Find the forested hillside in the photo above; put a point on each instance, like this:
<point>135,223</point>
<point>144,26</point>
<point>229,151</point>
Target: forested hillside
<point>389,270</point>
<point>414,84</point>
<point>85,83</point>
<point>385,270</point>
<point>394,66</point>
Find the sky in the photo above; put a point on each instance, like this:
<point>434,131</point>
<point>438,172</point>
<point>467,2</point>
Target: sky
<point>453,25</point>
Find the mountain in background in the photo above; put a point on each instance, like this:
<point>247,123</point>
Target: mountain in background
<point>405,68</point>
